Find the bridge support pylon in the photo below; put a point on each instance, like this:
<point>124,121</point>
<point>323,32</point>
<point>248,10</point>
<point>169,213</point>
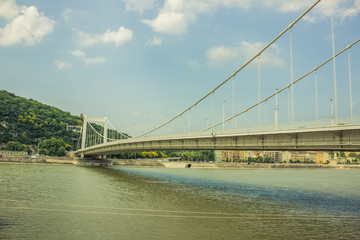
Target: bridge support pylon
<point>86,120</point>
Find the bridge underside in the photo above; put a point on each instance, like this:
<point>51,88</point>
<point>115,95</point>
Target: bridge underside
<point>345,138</point>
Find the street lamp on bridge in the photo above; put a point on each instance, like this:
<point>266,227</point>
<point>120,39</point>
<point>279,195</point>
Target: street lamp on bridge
<point>276,109</point>
<point>223,123</point>
<point>332,111</point>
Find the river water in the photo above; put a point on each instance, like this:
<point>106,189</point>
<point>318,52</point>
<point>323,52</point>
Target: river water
<point>70,202</point>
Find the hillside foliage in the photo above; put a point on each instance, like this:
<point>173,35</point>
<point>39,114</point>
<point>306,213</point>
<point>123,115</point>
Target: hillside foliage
<point>28,122</point>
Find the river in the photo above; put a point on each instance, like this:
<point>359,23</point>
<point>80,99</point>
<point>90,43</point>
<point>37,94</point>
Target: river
<point>70,202</point>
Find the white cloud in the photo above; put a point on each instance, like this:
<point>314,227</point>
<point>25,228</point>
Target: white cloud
<point>67,14</point>
<point>95,60</point>
<point>169,22</point>
<point>78,53</point>
<point>9,9</point>
<point>154,42</point>
<point>290,6</point>
<point>342,8</point>
<point>236,3</point>
<point>119,37</point>
<point>245,51</point>
<point>86,39</point>
<point>63,65</point>
<point>29,27</point>
<point>193,63</point>
<point>82,55</point>
<point>220,54</point>
<point>269,58</point>
<point>139,5</point>
<point>176,15</point>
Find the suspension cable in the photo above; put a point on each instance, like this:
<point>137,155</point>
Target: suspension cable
<point>259,90</point>
<point>265,114</point>
<point>350,88</point>
<point>236,72</point>
<point>101,135</point>
<point>286,87</point>
<point>334,62</point>
<point>95,130</point>
<point>212,108</point>
<point>316,98</point>
<point>121,134</point>
<point>291,76</point>
<point>233,100</point>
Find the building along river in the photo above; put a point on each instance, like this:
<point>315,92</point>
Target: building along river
<point>70,202</point>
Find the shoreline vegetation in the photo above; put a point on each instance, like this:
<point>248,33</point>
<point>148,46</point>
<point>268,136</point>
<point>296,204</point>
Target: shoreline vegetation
<point>164,163</point>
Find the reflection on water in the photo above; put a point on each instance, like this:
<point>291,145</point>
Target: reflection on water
<point>68,202</point>
<point>329,189</point>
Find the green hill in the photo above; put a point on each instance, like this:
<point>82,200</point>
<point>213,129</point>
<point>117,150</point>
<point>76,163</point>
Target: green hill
<point>26,121</point>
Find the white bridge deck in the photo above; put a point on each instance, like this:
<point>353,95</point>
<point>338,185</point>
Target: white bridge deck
<point>340,137</point>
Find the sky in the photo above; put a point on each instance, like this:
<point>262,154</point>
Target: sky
<point>139,63</point>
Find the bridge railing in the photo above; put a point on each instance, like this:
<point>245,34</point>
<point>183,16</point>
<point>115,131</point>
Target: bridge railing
<point>292,126</point>
<point>326,123</point>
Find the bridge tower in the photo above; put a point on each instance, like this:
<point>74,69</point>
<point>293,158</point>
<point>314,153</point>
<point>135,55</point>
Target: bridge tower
<point>88,119</point>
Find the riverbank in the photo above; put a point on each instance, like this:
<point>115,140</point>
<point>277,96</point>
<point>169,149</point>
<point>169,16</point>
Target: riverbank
<point>163,163</point>
<point>37,160</point>
<point>223,165</point>
<point>283,165</point>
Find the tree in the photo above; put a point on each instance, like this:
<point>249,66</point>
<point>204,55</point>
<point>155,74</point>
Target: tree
<point>53,147</point>
<point>153,155</point>
<point>17,146</point>
<point>14,146</point>
<point>68,147</point>
<point>145,154</point>
<point>353,155</point>
<point>61,151</point>
<point>259,159</point>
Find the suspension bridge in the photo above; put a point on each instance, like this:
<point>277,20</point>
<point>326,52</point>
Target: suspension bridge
<point>253,126</point>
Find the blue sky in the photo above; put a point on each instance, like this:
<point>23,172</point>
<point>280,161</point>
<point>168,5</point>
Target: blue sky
<point>141,62</point>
